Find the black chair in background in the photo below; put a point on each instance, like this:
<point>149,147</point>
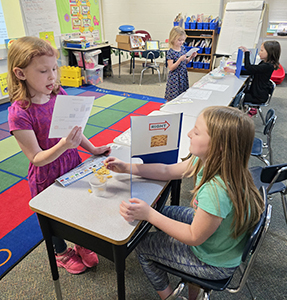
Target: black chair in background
<point>151,55</point>
<point>263,150</point>
<point>248,105</point>
<point>248,257</point>
<point>271,178</point>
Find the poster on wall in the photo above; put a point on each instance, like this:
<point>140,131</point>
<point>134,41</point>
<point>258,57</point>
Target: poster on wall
<point>39,16</point>
<point>80,16</point>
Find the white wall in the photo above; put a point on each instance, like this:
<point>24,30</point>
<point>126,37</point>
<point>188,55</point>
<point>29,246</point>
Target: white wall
<point>157,16</point>
<point>154,16</point>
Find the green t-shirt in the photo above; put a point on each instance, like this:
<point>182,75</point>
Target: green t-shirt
<point>220,249</point>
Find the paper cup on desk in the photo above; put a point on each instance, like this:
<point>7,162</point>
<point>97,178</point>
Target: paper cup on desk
<point>98,185</point>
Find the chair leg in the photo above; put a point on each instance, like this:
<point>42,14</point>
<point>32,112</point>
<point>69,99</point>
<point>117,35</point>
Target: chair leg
<point>284,204</point>
<point>158,71</point>
<point>142,75</point>
<point>261,115</point>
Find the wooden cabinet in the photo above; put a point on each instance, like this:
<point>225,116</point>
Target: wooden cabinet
<point>207,53</point>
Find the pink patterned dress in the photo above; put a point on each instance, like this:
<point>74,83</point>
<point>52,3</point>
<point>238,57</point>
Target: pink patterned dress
<point>38,118</point>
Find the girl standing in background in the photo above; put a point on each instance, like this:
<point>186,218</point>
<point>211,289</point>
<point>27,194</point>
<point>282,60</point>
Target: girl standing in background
<point>177,81</point>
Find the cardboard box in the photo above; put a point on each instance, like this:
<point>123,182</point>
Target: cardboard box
<point>124,42</point>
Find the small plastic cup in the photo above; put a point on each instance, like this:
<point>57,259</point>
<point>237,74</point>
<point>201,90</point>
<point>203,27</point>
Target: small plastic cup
<point>98,185</point>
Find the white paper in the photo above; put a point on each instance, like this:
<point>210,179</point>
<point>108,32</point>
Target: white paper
<point>197,94</point>
<point>70,111</point>
<point>215,87</point>
<point>191,51</point>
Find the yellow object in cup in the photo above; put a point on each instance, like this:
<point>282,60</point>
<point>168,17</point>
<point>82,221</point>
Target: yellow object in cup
<point>98,185</point>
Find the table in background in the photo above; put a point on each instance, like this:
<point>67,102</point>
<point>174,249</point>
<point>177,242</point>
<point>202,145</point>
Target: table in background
<point>74,214</point>
<point>133,58</point>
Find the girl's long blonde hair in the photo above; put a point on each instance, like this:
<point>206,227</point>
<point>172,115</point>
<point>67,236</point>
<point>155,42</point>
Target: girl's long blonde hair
<point>231,138</point>
<point>175,32</point>
<point>20,55</point>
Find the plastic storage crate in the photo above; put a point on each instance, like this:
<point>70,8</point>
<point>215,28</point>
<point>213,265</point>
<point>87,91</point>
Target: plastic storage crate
<point>95,76</point>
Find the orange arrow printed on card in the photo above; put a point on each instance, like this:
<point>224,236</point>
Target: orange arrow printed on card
<point>159,126</point>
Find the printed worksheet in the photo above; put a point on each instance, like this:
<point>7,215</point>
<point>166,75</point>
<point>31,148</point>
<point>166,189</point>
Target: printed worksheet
<point>197,94</point>
<point>70,111</point>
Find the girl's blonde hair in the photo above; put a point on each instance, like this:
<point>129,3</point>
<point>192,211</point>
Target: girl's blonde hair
<point>174,33</point>
<point>20,55</point>
<point>231,138</point>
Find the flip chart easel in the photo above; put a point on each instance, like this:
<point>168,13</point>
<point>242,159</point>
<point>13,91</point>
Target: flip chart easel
<point>241,26</point>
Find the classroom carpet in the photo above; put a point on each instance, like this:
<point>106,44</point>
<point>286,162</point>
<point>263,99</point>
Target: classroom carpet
<point>20,232</point>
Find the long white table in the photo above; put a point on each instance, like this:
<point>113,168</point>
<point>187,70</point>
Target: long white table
<point>74,214</point>
<point>216,98</point>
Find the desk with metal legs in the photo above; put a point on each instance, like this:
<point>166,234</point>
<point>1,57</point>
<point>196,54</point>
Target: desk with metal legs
<point>72,213</point>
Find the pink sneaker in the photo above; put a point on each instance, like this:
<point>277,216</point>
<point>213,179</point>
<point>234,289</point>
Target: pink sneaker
<point>89,258</point>
<point>252,112</point>
<point>71,262</point>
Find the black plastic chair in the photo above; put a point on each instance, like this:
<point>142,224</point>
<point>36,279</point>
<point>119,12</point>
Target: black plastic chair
<point>248,257</point>
<point>258,148</point>
<point>271,178</point>
<point>151,55</point>
<point>248,105</point>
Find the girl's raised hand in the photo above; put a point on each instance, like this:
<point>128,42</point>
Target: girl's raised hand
<point>73,140</point>
<point>116,165</point>
<point>135,210</point>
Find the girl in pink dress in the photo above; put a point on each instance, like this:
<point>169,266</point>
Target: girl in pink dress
<point>33,84</point>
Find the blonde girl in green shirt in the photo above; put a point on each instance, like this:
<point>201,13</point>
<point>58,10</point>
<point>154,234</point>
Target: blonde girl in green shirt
<point>207,239</point>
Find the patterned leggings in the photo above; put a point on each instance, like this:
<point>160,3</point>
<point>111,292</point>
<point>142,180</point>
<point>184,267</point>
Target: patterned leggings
<point>160,247</point>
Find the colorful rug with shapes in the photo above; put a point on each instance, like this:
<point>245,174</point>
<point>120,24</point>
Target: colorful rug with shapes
<point>19,229</point>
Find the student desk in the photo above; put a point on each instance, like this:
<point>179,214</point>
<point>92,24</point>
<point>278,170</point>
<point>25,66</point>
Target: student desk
<point>133,58</point>
<point>74,214</point>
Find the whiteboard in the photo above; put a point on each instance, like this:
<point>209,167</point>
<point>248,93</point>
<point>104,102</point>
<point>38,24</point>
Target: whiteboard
<point>241,26</point>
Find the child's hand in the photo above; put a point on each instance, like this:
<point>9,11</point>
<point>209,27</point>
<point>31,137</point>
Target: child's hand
<point>106,150</point>
<point>73,140</point>
<point>116,165</point>
<point>229,70</point>
<point>182,58</point>
<point>244,49</point>
<point>135,210</point>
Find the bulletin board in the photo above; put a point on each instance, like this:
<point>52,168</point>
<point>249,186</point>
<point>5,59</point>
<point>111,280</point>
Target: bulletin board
<point>80,16</point>
<point>241,26</point>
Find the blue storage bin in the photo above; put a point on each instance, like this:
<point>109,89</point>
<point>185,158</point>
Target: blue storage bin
<point>192,25</point>
<point>187,48</point>
<point>207,50</point>
<point>200,50</point>
<point>175,23</point>
<point>186,24</point>
<point>218,30</point>
<point>206,65</point>
<point>200,65</point>
<point>188,65</point>
<point>199,25</point>
<point>195,64</point>
<point>213,25</point>
<point>206,25</point>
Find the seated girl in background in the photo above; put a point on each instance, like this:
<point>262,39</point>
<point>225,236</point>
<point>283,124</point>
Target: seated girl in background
<point>177,81</point>
<point>259,90</point>
<point>207,239</point>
